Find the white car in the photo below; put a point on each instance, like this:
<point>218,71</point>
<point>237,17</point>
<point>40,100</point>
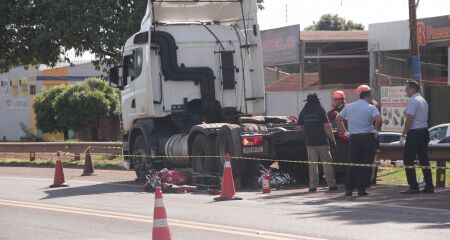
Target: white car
<point>439,132</point>
<point>445,141</point>
<point>389,137</point>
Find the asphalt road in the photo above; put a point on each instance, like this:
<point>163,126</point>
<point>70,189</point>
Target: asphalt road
<point>109,206</point>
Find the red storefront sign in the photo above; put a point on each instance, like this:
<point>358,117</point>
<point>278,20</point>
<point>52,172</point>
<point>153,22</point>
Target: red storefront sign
<point>434,31</point>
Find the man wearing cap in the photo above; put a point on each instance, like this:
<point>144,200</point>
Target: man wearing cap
<point>363,138</point>
<point>417,139</point>
<point>318,135</point>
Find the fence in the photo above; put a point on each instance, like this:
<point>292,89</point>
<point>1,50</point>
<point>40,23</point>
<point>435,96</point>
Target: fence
<point>393,69</point>
<point>438,153</point>
<point>69,147</point>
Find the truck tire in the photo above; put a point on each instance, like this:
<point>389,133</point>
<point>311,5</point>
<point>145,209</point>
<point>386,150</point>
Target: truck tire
<point>202,146</point>
<point>141,163</point>
<point>229,142</point>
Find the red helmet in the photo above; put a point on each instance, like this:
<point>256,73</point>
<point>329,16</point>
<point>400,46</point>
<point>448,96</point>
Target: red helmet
<point>362,88</point>
<point>338,94</point>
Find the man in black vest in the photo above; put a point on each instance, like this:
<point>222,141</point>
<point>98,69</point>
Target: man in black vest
<point>313,119</point>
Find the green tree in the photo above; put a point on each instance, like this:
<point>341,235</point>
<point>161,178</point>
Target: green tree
<point>334,23</point>
<point>82,105</point>
<point>111,94</point>
<point>46,115</point>
<point>39,31</point>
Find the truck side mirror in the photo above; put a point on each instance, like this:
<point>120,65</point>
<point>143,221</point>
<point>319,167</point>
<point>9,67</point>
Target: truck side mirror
<point>116,77</point>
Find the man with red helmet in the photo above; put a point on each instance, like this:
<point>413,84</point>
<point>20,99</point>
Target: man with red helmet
<point>373,101</point>
<point>338,105</point>
<point>363,138</point>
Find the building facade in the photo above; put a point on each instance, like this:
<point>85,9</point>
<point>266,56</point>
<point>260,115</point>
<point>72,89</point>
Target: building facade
<point>325,61</point>
<point>389,49</point>
<point>18,89</point>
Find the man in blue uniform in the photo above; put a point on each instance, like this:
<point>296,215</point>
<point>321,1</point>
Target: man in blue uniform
<point>360,116</point>
<point>417,139</point>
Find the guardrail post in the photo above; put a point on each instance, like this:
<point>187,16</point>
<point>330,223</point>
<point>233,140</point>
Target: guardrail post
<point>440,173</point>
<point>32,156</point>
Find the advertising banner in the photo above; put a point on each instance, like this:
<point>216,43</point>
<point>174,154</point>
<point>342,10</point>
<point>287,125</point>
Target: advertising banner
<point>393,108</point>
<point>281,45</point>
<point>24,87</point>
<point>5,88</point>
<point>15,87</point>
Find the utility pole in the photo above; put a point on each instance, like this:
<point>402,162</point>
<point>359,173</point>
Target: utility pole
<point>286,13</point>
<point>414,51</point>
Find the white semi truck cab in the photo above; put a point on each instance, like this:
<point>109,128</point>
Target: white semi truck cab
<point>192,85</point>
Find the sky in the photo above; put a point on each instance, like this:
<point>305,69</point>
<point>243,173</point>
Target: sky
<point>85,56</point>
<point>304,12</point>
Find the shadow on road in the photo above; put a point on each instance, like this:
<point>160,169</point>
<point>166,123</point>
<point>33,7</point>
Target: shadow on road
<point>101,188</point>
<point>366,214</point>
<point>384,204</point>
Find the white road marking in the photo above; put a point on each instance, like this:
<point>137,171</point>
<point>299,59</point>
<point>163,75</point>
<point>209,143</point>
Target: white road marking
<point>148,219</point>
<point>72,180</point>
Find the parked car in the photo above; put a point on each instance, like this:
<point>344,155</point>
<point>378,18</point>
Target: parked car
<point>439,132</point>
<point>389,137</point>
<point>445,141</point>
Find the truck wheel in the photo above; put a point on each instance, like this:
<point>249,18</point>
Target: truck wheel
<point>140,163</point>
<point>202,146</point>
<point>229,142</point>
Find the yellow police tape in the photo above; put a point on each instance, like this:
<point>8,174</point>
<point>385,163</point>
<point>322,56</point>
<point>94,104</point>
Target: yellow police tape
<point>374,165</point>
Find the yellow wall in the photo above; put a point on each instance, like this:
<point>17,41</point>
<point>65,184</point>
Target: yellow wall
<point>54,72</point>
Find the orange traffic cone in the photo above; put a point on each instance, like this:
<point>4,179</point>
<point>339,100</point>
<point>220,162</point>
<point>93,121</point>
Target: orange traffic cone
<point>161,229</point>
<point>227,192</point>
<point>59,173</point>
<point>88,165</point>
<point>266,182</point>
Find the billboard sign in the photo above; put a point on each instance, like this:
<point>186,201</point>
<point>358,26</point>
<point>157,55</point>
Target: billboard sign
<point>281,45</point>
